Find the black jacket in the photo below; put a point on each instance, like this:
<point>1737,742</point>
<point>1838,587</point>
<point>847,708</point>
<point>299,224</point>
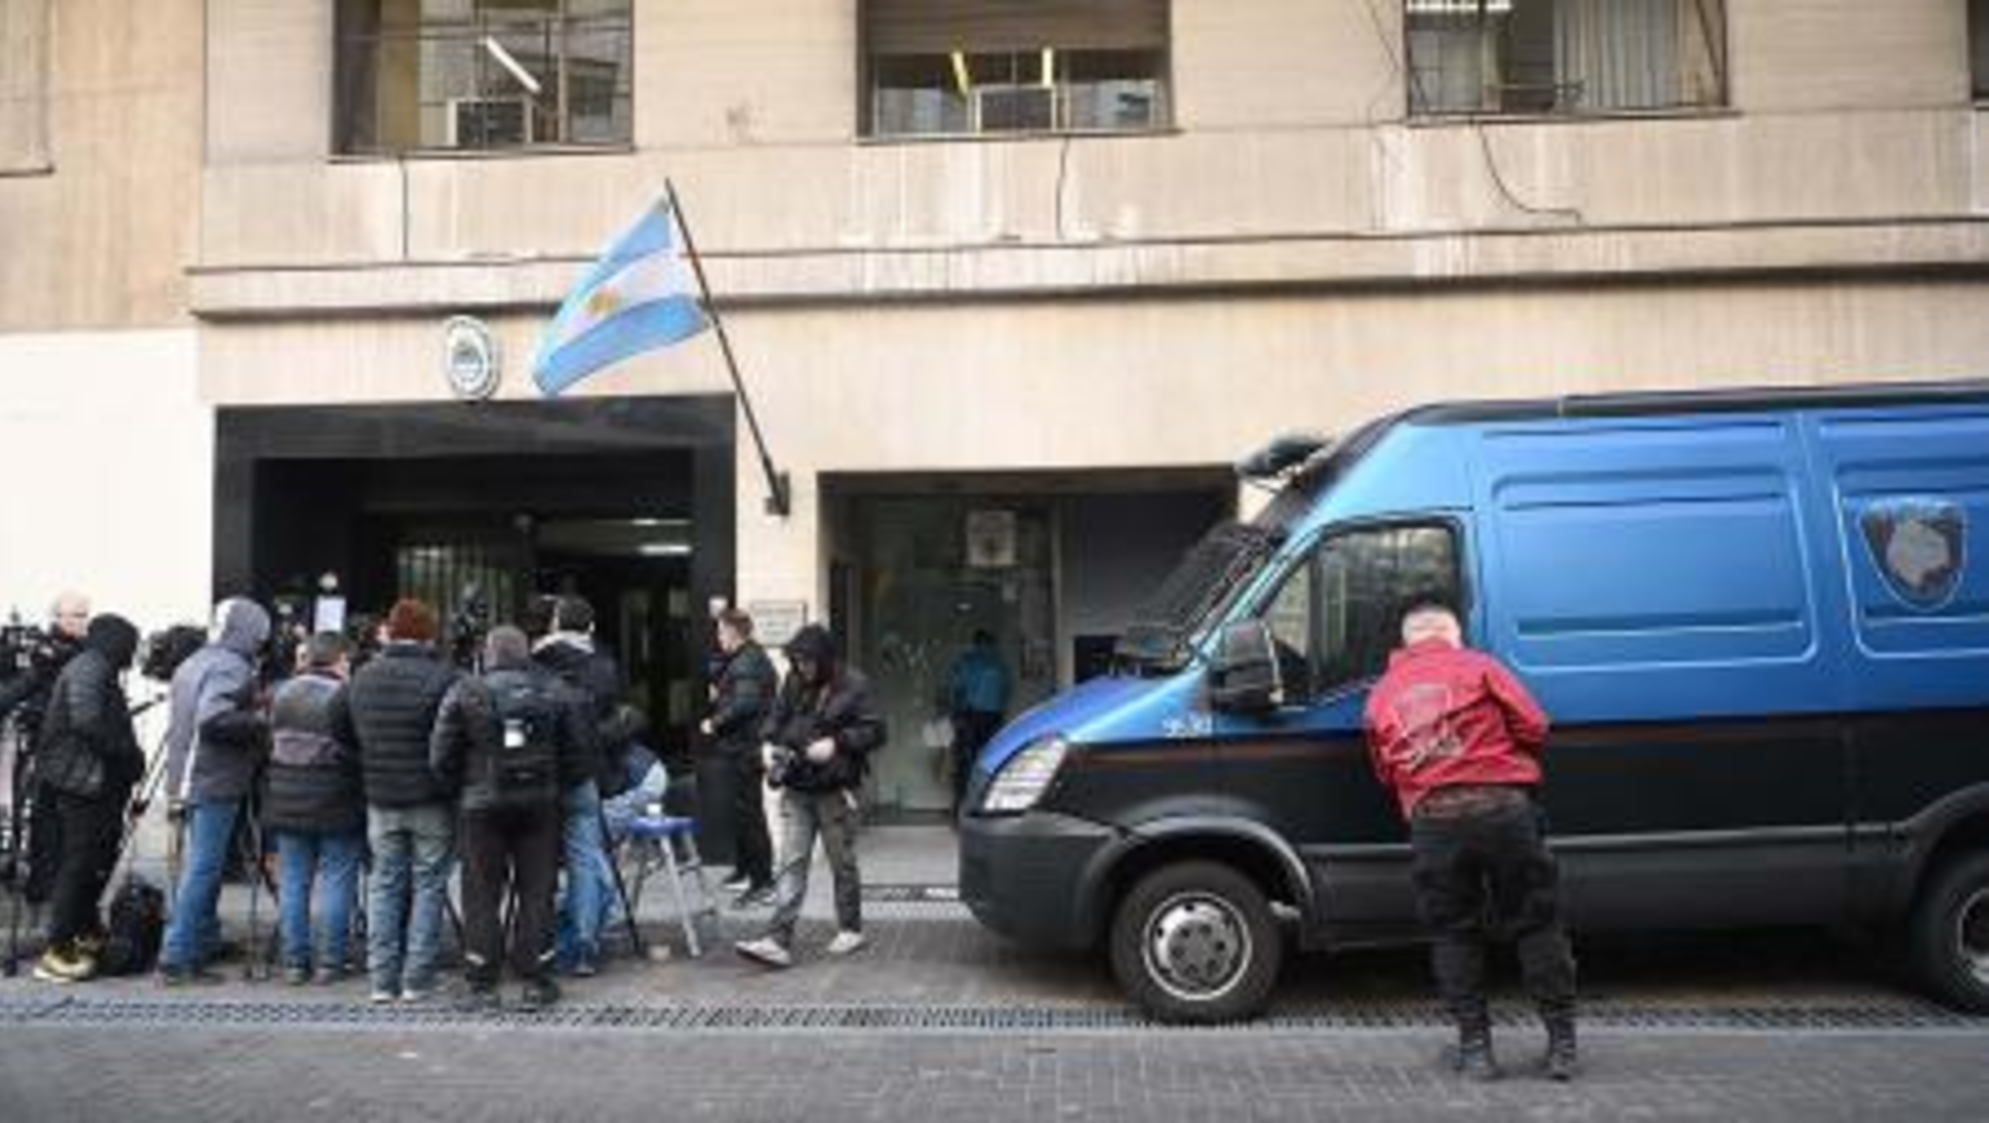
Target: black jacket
<point>389,711</point>
<point>743,695</point>
<point>87,746</point>
<point>313,782</point>
<point>29,689</point>
<point>595,675</point>
<point>469,749</point>
<point>840,708</point>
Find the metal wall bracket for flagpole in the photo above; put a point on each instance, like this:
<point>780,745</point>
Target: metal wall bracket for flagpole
<point>778,493</point>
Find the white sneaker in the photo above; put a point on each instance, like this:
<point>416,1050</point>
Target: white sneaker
<point>847,942</point>
<point>765,951</point>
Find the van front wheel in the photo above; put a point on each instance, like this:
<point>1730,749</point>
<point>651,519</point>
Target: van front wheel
<point>1196,942</point>
<point>1950,933</point>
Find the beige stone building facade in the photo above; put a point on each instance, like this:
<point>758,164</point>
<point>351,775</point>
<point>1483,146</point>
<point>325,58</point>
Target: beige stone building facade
<point>1010,283</point>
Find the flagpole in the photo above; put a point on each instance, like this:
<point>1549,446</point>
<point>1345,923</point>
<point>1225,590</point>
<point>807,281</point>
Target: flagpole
<point>777,484</point>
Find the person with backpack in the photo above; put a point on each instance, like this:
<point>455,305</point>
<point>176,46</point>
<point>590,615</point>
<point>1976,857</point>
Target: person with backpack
<point>88,762</point>
<point>513,740</point>
<point>314,804</point>
<point>822,730</point>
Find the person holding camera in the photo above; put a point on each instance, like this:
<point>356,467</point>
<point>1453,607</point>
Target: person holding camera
<point>215,741</point>
<point>25,698</point>
<point>742,692</point>
<point>821,733</point>
<point>389,711</point>
<point>89,762</point>
<point>514,739</point>
<point>314,803</point>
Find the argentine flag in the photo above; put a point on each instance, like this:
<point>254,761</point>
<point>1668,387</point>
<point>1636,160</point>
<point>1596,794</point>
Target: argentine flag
<point>641,294</point>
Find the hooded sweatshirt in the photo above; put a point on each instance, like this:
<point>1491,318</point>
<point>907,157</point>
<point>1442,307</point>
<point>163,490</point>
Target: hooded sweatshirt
<point>215,740</point>
<point>836,704</point>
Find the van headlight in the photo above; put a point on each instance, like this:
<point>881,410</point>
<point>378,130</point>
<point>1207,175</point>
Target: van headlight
<point>1023,780</point>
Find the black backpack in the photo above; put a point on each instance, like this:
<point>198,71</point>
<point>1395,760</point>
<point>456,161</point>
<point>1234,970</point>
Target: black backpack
<point>137,926</point>
<point>525,768</point>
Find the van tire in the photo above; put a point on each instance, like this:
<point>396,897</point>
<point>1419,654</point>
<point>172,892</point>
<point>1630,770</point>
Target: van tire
<point>1948,940</point>
<point>1195,942</point>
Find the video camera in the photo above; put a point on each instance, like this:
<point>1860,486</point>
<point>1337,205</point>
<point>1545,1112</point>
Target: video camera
<point>24,647</point>
<point>163,651</point>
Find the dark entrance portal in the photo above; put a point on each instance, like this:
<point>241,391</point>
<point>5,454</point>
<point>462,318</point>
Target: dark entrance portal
<point>627,502</point>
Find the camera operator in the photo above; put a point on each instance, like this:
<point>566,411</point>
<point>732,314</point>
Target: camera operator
<point>215,743</point>
<point>25,697</point>
<point>570,652</point>
<point>89,761</point>
<point>515,739</point>
<point>823,729</point>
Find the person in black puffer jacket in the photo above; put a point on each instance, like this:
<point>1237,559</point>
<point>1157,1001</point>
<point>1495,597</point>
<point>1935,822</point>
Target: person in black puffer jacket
<point>742,691</point>
<point>89,760</point>
<point>314,803</point>
<point>516,737</point>
<point>389,712</point>
<point>822,731</point>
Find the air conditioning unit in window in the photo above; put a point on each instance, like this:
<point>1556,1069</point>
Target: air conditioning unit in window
<point>490,122</point>
<point>1009,109</point>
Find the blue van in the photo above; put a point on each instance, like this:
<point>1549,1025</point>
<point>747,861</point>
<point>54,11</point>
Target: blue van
<point>1759,620</point>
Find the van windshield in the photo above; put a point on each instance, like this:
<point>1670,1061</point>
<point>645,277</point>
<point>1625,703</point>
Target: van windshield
<point>1163,630</point>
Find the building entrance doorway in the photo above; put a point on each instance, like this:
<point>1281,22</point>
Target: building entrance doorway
<point>626,502</point>
<point>1050,565</point>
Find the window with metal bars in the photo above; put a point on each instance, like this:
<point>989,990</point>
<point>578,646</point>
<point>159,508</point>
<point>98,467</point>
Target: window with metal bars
<point>1479,57</point>
<point>483,74</point>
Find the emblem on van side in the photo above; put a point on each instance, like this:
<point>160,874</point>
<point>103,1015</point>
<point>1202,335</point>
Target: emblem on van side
<point>1916,542</point>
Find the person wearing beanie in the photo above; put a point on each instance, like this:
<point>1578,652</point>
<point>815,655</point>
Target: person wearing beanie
<point>822,730</point>
<point>89,761</point>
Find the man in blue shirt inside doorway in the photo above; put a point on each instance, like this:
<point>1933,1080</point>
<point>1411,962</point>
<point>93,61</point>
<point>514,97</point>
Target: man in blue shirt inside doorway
<point>977,700</point>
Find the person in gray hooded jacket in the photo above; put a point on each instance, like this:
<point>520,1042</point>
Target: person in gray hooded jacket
<point>215,743</point>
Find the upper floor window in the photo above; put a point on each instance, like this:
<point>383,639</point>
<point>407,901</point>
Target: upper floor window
<point>1565,56</point>
<point>482,74</point>
<point>1978,47</point>
<point>1014,66</point>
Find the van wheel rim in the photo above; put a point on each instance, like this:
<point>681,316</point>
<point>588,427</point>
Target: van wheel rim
<point>1197,947</point>
<point>1972,935</point>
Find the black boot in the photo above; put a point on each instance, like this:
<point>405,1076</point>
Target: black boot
<point>1474,1054</point>
<point>1561,1062</point>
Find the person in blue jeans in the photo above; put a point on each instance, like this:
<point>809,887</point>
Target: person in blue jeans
<point>214,744</point>
<point>583,908</point>
<point>314,803</point>
<point>389,710</point>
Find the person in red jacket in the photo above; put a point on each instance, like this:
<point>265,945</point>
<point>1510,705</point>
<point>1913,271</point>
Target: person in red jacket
<point>1457,738</point>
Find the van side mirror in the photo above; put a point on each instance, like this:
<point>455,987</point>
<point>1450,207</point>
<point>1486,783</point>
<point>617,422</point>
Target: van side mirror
<point>1245,676</point>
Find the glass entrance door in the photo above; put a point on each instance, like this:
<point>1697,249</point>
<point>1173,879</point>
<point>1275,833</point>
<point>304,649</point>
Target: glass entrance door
<point>933,571</point>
